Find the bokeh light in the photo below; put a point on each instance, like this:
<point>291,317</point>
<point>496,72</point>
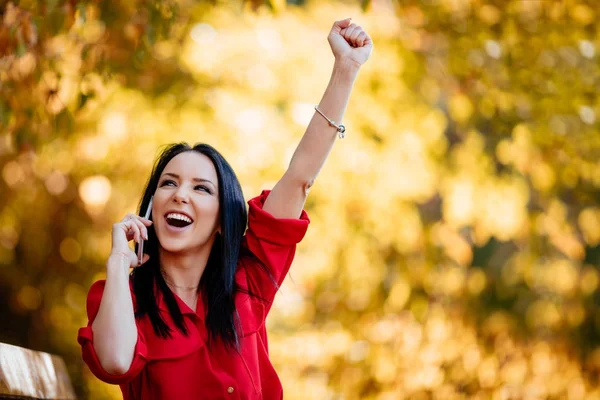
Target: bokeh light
<point>454,244</point>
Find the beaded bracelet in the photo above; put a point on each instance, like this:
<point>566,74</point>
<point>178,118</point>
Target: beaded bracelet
<point>340,128</point>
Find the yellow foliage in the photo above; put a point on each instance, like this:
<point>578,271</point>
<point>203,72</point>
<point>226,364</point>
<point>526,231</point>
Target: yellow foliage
<point>461,204</point>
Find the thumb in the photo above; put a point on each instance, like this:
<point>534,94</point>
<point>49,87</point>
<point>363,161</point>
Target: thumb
<point>343,23</point>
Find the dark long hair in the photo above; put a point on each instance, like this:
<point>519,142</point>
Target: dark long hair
<point>217,283</point>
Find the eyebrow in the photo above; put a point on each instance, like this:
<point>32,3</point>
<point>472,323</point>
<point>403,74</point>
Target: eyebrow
<point>194,179</point>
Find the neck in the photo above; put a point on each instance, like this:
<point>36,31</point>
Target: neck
<point>183,270</point>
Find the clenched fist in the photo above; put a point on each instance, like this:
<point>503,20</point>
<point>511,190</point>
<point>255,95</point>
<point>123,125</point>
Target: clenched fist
<point>349,42</point>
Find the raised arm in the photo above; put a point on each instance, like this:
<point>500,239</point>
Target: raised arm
<point>351,47</point>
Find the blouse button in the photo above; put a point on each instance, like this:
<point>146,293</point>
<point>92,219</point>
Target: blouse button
<point>230,389</point>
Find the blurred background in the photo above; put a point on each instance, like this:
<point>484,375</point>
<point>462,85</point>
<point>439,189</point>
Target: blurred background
<point>454,246</point>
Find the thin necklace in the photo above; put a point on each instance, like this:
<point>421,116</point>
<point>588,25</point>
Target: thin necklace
<point>164,274</point>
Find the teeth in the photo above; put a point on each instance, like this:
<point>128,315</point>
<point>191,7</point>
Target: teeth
<point>179,216</point>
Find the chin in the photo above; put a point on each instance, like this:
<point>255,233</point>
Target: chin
<point>178,246</point>
<point>174,246</point>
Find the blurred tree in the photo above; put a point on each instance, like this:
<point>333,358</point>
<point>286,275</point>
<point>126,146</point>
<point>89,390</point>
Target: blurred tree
<point>455,236</point>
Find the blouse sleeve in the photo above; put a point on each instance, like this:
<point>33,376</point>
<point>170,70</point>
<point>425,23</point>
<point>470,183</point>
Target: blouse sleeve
<point>86,339</point>
<point>273,241</point>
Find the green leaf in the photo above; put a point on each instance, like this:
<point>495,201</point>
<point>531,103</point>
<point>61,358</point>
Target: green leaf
<point>54,21</point>
<point>83,98</point>
<point>65,122</point>
<point>21,49</point>
<point>51,5</point>
<point>82,10</point>
<point>5,113</point>
<point>150,37</point>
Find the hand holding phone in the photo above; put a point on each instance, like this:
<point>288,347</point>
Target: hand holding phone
<point>140,249</point>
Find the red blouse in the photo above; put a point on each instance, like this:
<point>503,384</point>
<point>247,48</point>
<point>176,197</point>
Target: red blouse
<point>183,367</point>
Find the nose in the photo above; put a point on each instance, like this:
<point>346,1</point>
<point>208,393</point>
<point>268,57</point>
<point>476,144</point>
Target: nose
<point>181,195</point>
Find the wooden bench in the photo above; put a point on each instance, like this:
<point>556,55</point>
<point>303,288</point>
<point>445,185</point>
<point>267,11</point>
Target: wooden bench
<point>28,374</point>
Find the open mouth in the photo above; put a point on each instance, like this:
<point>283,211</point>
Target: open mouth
<point>178,220</point>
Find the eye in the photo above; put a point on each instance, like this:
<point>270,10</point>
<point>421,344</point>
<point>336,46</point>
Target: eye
<point>166,182</point>
<point>203,188</point>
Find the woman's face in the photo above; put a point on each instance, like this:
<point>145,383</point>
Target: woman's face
<point>185,208</point>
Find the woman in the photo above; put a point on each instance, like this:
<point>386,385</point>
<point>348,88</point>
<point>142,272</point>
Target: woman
<point>190,322</point>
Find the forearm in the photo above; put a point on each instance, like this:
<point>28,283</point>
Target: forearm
<point>317,142</point>
<point>115,331</point>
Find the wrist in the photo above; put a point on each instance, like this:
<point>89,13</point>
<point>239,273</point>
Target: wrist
<point>346,67</point>
<point>118,262</point>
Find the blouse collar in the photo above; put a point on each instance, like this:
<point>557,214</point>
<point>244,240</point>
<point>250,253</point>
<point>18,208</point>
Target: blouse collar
<point>183,307</point>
